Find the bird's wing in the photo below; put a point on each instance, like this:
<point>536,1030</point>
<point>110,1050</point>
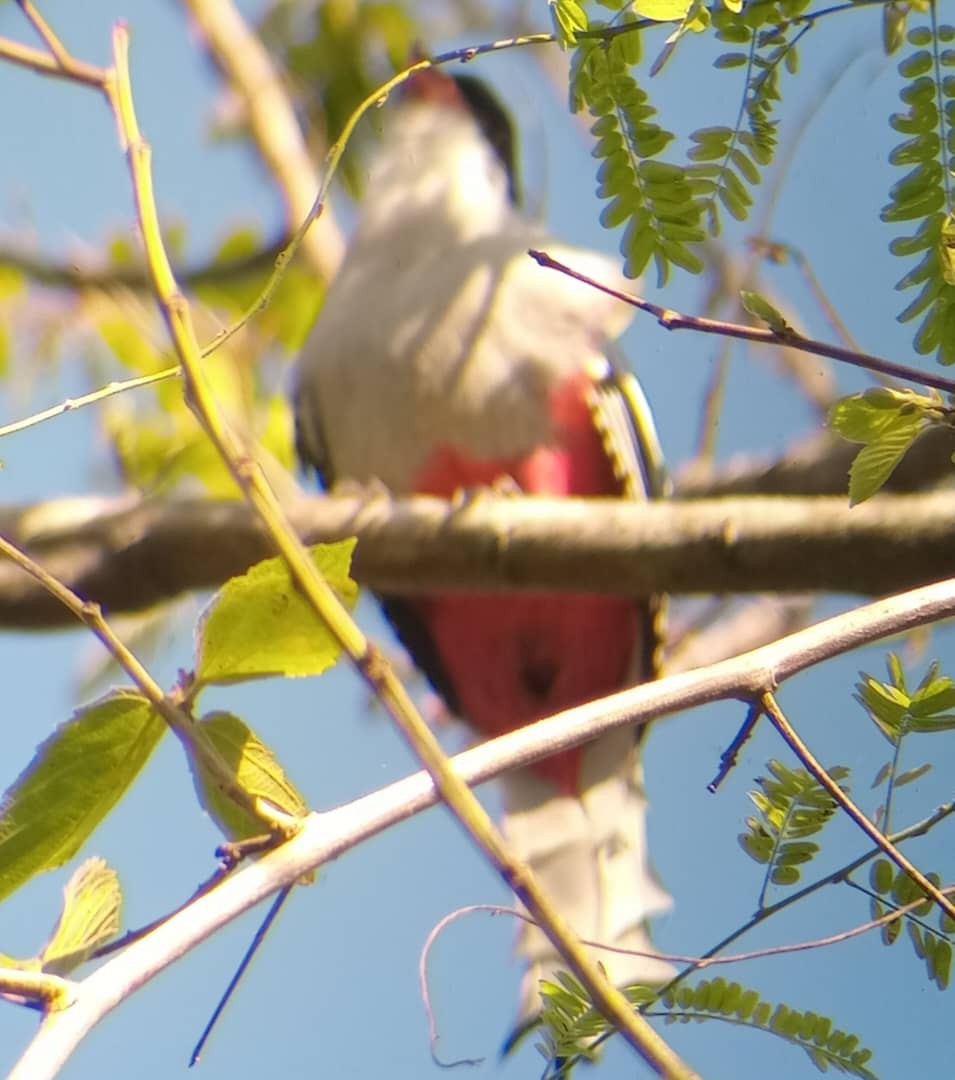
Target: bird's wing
<point>622,416</point>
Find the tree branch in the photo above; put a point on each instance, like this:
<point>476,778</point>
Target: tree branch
<point>819,465</point>
<point>245,64</point>
<point>127,555</point>
<point>327,836</point>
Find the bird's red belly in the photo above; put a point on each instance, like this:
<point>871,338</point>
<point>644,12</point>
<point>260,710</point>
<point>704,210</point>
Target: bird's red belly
<point>514,658</point>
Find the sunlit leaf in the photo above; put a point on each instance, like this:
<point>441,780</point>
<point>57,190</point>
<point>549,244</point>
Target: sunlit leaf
<point>760,307</point>
<point>76,777</point>
<point>225,742</point>
<point>90,918</point>
<point>259,625</point>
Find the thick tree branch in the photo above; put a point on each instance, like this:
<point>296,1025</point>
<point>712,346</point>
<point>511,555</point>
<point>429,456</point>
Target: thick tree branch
<point>127,556</point>
<point>819,465</point>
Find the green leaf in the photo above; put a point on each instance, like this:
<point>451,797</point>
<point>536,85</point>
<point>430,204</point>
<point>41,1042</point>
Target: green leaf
<point>77,776</point>
<point>569,1023</point>
<point>911,775</point>
<point>894,16</point>
<point>760,307</point>
<point>225,744</point>
<point>568,18</point>
<point>792,806</point>
<point>90,918</point>
<point>874,464</point>
<point>258,624</point>
<point>868,416</point>
<point>946,250</point>
<point>881,876</point>
<point>662,10</point>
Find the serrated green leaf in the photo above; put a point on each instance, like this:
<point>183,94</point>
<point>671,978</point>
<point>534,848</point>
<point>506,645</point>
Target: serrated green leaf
<point>223,741</point>
<point>90,918</point>
<point>874,464</point>
<point>76,777</point>
<point>259,625</point>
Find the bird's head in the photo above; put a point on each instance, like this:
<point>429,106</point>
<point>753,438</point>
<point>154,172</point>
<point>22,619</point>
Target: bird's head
<point>447,157</point>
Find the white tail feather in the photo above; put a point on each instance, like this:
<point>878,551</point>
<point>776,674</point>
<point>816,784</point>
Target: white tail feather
<point>590,854</point>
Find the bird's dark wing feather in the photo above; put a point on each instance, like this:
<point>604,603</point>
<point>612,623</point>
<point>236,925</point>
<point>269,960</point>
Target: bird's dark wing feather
<point>622,416</point>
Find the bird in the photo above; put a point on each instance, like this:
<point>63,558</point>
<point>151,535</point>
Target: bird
<point>445,361</point>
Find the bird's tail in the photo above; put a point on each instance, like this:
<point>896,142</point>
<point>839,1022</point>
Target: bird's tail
<point>589,852</point>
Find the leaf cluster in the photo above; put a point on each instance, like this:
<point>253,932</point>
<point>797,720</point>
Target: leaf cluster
<point>792,806</point>
<point>896,710</point>
<point>728,160</point>
<point>923,197</point>
<point>571,1024</point>
<point>653,199</point>
<point>888,422</point>
<point>893,889</point>
<point>257,626</point>
<point>335,54</point>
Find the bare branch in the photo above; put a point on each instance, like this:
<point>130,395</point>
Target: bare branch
<point>676,320</point>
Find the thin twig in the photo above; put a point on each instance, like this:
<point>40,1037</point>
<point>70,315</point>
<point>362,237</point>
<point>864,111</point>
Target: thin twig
<point>675,320</point>
<point>49,38</point>
<point>72,404</point>
<point>70,276</point>
<point>43,63</point>
<point>697,963</point>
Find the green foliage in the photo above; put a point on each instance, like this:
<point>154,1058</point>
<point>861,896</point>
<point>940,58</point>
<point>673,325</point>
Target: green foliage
<point>728,161</point>
<point>335,53</point>
<point>651,198</point>
<point>570,1024</point>
<point>923,197</point>
<point>759,306</point>
<point>792,806</point>
<point>259,625</point>
<point>896,711</point>
<point>90,917</point>
<point>887,422</point>
<point>227,741</point>
<point>894,889</point>
<point>76,777</point>
<point>568,17</point>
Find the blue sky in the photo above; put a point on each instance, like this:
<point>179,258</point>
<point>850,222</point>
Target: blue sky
<point>334,992</point>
